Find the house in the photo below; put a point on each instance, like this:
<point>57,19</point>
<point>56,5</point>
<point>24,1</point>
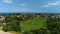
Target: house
<point>2,18</point>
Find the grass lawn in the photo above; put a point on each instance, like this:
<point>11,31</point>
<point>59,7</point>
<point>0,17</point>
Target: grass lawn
<point>35,23</point>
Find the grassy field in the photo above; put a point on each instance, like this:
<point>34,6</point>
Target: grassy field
<point>32,24</point>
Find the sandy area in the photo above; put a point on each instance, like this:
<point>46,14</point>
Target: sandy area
<point>2,32</point>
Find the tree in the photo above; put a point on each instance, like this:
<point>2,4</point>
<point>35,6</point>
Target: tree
<point>12,24</point>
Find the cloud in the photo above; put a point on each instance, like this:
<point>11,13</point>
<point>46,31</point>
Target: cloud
<point>23,10</point>
<point>7,1</point>
<point>52,4</point>
<point>23,4</point>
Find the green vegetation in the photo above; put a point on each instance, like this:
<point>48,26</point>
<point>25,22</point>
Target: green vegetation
<point>33,24</point>
<point>12,24</point>
<point>52,27</point>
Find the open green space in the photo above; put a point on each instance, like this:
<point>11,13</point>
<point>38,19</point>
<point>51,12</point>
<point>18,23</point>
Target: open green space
<point>32,24</point>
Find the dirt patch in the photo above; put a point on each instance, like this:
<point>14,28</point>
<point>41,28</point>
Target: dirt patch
<point>2,32</point>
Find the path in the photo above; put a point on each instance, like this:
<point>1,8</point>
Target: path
<point>2,32</point>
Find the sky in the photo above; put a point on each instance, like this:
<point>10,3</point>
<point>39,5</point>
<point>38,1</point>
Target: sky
<point>29,6</point>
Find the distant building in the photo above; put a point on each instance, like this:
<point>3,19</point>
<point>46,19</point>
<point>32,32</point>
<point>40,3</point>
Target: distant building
<point>57,16</point>
<point>2,18</point>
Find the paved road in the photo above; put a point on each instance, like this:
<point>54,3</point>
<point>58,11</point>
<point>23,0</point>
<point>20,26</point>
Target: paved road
<point>2,32</point>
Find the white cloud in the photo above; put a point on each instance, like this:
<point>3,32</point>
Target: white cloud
<point>23,10</point>
<point>7,1</point>
<point>46,6</point>
<point>23,4</point>
<point>52,4</point>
